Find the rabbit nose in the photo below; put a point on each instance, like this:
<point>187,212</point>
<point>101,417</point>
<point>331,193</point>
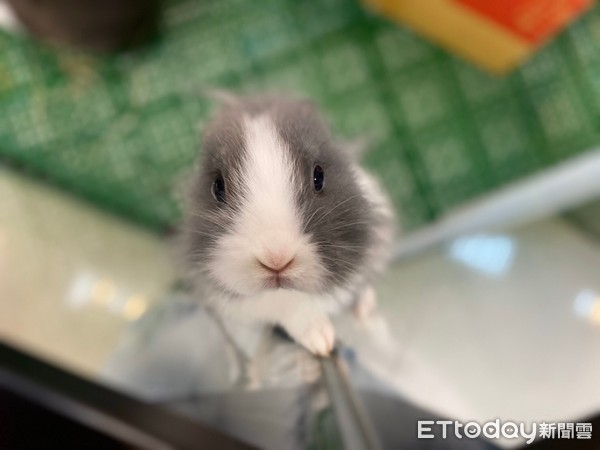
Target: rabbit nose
<point>276,262</point>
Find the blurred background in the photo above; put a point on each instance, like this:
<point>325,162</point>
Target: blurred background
<point>482,119</point>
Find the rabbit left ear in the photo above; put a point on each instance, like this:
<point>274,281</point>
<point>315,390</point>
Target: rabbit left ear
<point>218,95</point>
<point>222,97</point>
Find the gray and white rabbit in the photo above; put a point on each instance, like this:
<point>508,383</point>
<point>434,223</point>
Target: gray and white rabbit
<point>282,226</point>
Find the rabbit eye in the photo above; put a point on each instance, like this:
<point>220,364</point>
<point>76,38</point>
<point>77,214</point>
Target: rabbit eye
<point>318,178</point>
<point>218,188</point>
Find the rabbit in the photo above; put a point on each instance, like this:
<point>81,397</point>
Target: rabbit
<point>281,225</point>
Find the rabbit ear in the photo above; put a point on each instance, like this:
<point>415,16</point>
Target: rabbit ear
<point>212,94</point>
<point>357,147</point>
<point>222,97</point>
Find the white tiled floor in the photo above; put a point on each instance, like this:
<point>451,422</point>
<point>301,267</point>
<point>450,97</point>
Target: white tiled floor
<point>504,324</point>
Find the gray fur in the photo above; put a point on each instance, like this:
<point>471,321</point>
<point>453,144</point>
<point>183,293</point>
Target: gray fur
<point>206,219</point>
<point>340,219</point>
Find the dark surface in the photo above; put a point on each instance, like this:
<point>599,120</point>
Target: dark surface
<point>96,25</point>
<point>27,425</point>
<point>77,406</point>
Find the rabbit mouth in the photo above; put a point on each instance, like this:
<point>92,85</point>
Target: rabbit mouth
<point>278,282</point>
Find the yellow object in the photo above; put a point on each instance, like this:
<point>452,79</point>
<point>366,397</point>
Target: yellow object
<point>494,34</point>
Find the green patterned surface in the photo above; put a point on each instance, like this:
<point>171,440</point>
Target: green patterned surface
<point>121,131</point>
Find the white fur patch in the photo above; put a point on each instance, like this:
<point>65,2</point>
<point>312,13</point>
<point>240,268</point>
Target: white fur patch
<point>270,180</point>
<point>268,229</point>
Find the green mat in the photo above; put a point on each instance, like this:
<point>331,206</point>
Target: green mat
<point>122,130</point>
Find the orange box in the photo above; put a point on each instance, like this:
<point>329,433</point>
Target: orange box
<point>494,34</point>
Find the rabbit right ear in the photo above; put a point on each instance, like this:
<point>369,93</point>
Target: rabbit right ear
<point>357,147</point>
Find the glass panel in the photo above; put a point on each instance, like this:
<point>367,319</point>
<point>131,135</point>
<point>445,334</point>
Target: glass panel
<point>501,322</point>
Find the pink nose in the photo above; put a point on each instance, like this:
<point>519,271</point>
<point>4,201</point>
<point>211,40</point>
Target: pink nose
<point>276,264</point>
